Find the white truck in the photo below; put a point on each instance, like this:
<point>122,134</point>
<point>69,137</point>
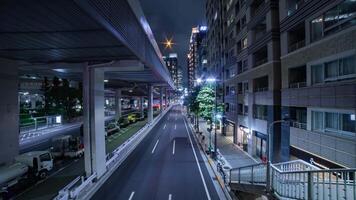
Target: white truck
<point>27,165</point>
<point>67,146</point>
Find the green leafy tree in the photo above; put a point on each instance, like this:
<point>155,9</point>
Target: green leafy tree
<point>193,105</point>
<point>206,99</point>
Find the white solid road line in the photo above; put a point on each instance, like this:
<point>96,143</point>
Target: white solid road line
<point>164,126</point>
<point>153,150</point>
<point>196,159</point>
<point>132,194</point>
<point>175,126</point>
<point>170,197</point>
<point>174,146</point>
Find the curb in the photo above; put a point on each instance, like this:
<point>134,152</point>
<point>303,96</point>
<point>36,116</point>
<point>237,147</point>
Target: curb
<point>211,164</point>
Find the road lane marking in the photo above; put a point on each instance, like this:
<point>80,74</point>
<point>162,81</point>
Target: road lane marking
<point>170,197</point>
<point>196,159</point>
<point>132,194</point>
<point>174,146</point>
<point>164,126</point>
<point>153,150</point>
<point>175,126</point>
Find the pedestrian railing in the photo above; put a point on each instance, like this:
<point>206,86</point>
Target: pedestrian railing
<point>298,180</point>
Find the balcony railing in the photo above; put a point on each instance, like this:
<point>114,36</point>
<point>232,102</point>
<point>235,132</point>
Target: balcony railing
<point>262,89</point>
<point>296,46</point>
<point>299,125</point>
<point>298,85</point>
<point>260,62</point>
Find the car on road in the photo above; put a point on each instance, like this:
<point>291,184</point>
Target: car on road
<point>30,165</point>
<point>111,128</point>
<point>67,146</point>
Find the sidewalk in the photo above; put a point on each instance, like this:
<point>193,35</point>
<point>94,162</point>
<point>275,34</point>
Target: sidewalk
<point>232,154</point>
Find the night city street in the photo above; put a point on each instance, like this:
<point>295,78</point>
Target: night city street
<point>177,99</point>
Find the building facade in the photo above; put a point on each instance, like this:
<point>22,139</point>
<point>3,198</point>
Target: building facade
<point>287,59</point>
<point>172,64</point>
<point>318,57</point>
<point>197,60</point>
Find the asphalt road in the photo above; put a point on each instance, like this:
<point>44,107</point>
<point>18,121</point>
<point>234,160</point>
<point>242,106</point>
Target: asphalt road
<point>163,166</point>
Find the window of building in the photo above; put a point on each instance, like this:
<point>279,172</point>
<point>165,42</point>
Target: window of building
<point>333,122</point>
<point>239,67</point>
<point>339,69</point>
<point>244,43</point>
<point>232,90</point>
<point>239,88</point>
<point>243,21</point>
<point>232,72</point>
<point>227,90</point>
<point>245,87</point>
<point>240,109</point>
<point>333,20</point>
<point>260,84</point>
<point>260,112</point>
<point>244,65</point>
<point>245,110</point>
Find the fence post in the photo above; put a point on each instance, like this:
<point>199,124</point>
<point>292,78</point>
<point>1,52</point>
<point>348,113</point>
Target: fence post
<point>268,177</point>
<point>310,185</point>
<point>252,175</point>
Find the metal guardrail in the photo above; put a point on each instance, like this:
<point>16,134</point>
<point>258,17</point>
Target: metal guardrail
<point>298,180</point>
<point>298,85</point>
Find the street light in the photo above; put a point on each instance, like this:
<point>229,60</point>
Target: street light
<point>199,80</point>
<point>270,139</point>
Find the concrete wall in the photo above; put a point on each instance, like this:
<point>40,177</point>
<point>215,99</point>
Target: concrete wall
<point>331,147</point>
<point>9,111</point>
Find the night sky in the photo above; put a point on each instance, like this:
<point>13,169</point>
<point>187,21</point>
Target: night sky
<point>174,18</point>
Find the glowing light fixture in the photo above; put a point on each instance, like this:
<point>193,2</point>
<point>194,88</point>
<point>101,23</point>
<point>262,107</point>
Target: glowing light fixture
<point>211,80</point>
<point>168,44</point>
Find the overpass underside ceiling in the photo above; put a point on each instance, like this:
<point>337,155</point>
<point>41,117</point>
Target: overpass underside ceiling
<point>49,32</point>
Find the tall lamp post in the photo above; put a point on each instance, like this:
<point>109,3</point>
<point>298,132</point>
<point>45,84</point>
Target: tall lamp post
<point>270,139</point>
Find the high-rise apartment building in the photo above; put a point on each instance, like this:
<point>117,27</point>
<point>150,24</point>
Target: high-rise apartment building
<point>196,61</point>
<point>180,79</point>
<point>172,64</point>
<point>287,59</point>
<point>318,58</point>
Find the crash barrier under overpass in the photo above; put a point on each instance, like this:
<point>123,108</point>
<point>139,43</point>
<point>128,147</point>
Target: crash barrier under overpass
<point>81,188</point>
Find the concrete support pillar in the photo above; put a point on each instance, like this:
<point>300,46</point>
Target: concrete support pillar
<point>142,109</point>
<point>166,98</point>
<point>150,104</point>
<point>33,102</point>
<point>161,99</point>
<point>118,106</point>
<point>9,111</point>
<point>94,121</point>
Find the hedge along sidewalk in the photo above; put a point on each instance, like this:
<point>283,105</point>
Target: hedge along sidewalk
<point>115,140</point>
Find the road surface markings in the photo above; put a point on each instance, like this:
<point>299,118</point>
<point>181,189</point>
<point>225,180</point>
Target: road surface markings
<point>132,194</point>
<point>196,159</point>
<point>175,126</point>
<point>164,126</point>
<point>170,197</point>
<point>153,150</point>
<point>174,146</point>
